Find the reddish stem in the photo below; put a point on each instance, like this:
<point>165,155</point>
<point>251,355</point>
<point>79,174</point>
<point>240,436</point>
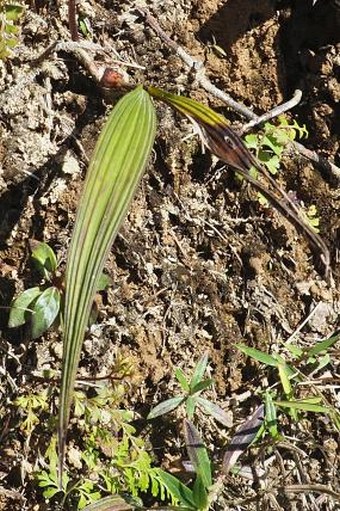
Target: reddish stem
<point>72,21</point>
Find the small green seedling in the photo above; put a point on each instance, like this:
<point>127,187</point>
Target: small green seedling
<point>191,396</point>
<point>291,374</point>
<point>270,143</point>
<point>111,457</point>
<point>39,305</point>
<point>269,146</point>
<point>197,498</point>
<point>10,15</point>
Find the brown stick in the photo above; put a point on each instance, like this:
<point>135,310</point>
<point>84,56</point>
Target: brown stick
<point>72,20</point>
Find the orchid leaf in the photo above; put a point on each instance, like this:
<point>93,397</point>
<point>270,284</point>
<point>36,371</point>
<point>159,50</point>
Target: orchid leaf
<point>115,170</point>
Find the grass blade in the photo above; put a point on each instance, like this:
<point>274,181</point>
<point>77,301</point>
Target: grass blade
<point>322,345</point>
<point>197,453</point>
<point>165,407</point>
<point>307,405</point>
<point>199,371</point>
<point>258,355</point>
<point>271,418</point>
<point>116,167</point>
<point>177,489</point>
<point>243,438</point>
<point>215,411</point>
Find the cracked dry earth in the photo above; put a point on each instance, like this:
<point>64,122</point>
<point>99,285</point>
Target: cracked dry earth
<point>199,264</point>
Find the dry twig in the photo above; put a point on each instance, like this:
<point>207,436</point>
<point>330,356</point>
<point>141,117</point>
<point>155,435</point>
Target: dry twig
<point>197,66</point>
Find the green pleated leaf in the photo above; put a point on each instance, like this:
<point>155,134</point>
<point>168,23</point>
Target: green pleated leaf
<point>189,107</point>
<point>115,170</point>
<point>213,127</point>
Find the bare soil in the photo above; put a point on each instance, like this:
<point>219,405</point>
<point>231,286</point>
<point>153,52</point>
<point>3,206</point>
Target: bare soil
<point>199,265</point>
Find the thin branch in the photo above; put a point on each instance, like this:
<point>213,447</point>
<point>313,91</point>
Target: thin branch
<point>197,66</point>
<point>278,110</point>
<point>72,20</point>
<point>81,51</point>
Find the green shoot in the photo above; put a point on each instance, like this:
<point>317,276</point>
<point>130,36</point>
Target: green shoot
<point>290,374</point>
<point>38,306</point>
<point>191,397</point>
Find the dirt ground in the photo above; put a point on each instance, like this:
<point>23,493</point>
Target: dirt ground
<point>199,265</point>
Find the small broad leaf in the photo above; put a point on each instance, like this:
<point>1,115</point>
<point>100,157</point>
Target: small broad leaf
<point>44,257</point>
<point>20,308</point>
<point>13,11</point>
<point>252,141</point>
<point>50,492</point>
<point>104,282</point>
<point>199,371</point>
<point>165,407</point>
<point>177,489</point>
<point>197,453</point>
<point>294,350</point>
<point>215,411</point>
<point>243,438</point>
<point>45,311</point>
<point>264,358</point>
<point>181,378</point>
